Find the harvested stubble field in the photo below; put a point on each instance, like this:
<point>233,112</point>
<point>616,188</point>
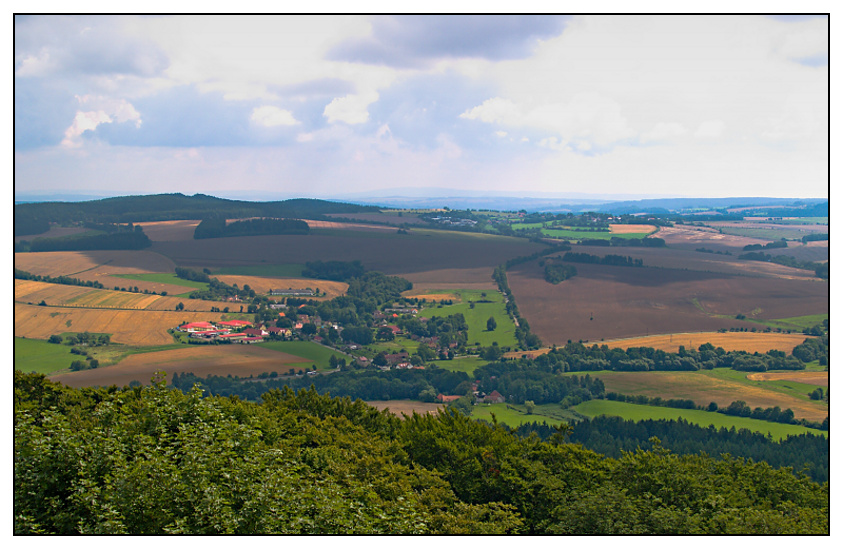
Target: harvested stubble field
<point>430,296</point>
<point>705,386</point>
<point>165,231</point>
<point>202,360</point>
<point>730,341</point>
<point>30,291</point>
<point>407,407</point>
<point>607,302</point>
<point>262,284</point>
<point>125,326</point>
<point>54,232</point>
<point>687,236</point>
<point>632,229</point>
<point>99,265</point>
<point>810,378</point>
<point>417,252</point>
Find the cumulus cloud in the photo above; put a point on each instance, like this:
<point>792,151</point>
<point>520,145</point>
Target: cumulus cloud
<point>102,110</point>
<point>351,109</point>
<point>589,118</point>
<point>269,116</point>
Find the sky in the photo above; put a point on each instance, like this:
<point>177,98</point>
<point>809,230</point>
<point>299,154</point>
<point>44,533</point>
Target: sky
<point>269,107</point>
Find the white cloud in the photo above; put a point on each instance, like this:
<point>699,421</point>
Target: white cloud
<point>351,109</point>
<point>501,133</point>
<point>270,116</point>
<point>664,131</point>
<point>105,110</point>
<point>710,129</point>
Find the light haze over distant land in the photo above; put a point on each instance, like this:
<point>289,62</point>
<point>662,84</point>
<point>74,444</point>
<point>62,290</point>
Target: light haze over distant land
<point>272,107</point>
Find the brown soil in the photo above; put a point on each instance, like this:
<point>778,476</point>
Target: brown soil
<point>164,231</point>
<point>615,302</point>
<point>407,407</point>
<point>240,360</point>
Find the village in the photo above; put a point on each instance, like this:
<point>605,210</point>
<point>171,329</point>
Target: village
<point>307,328</point>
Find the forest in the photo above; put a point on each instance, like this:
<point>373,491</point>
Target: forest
<point>152,460</point>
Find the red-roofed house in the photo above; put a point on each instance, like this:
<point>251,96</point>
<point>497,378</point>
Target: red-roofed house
<point>197,327</point>
<point>235,324</point>
<point>254,332</point>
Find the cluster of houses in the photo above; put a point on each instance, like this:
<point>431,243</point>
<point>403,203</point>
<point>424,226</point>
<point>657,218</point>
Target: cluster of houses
<point>235,331</point>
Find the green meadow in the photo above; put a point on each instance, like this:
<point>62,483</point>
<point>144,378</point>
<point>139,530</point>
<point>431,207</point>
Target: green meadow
<point>638,412</point>
<point>476,318</point>
<point>36,355</point>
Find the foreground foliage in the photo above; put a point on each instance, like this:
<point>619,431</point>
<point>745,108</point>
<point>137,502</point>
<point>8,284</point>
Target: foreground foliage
<point>151,460</point>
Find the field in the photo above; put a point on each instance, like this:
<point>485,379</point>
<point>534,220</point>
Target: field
<point>163,278</point>
<point>572,234</point>
<point>465,364</point>
<point>807,378</point>
<point>202,360</point>
<point>730,341</point>
<point>286,270</point>
<point>313,353</point>
<point>721,386</point>
<point>407,407</point>
<point>450,257</point>
<point>130,327</point>
<point>64,296</point>
<point>476,318</point>
<point>608,302</point>
<point>164,231</point>
<point>33,355</point>
<point>638,412</point>
<point>262,284</point>
<point>54,232</point>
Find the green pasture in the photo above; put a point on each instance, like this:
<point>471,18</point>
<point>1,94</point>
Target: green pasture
<point>638,412</point>
<point>784,386</point>
<point>36,355</point>
<point>286,270</point>
<point>312,352</point>
<point>391,347</point>
<point>477,317</point>
<point>465,364</point>
<point>795,323</point>
<point>514,415</point>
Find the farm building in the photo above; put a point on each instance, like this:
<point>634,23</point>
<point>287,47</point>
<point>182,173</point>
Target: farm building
<point>255,332</point>
<point>234,324</point>
<point>292,292</point>
<point>232,337</point>
<point>250,340</point>
<point>197,327</point>
<point>495,398</point>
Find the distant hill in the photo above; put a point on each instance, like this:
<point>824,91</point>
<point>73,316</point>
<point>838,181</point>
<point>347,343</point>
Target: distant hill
<point>163,207</point>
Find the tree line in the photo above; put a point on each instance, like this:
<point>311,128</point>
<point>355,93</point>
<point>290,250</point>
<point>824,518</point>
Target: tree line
<point>806,454</point>
<point>216,227</point>
<point>66,280</point>
<point>152,460</point>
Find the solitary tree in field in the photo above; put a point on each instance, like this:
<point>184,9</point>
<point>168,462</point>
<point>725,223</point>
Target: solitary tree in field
<point>491,324</point>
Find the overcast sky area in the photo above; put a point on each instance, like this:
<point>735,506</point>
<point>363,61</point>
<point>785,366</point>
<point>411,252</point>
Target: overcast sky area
<point>322,106</point>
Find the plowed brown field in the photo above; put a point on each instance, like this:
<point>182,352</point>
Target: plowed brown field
<point>262,284</point>
<point>616,302</point>
<point>416,252</point>
<point>240,360</point>
<point>129,327</point>
<point>446,279</point>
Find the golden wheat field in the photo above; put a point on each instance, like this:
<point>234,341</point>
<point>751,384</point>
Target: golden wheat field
<point>32,292</point>
<point>631,229</point>
<point>101,262</point>
<point>729,341</point>
<point>125,326</point>
<point>262,284</point>
<point>810,378</point>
